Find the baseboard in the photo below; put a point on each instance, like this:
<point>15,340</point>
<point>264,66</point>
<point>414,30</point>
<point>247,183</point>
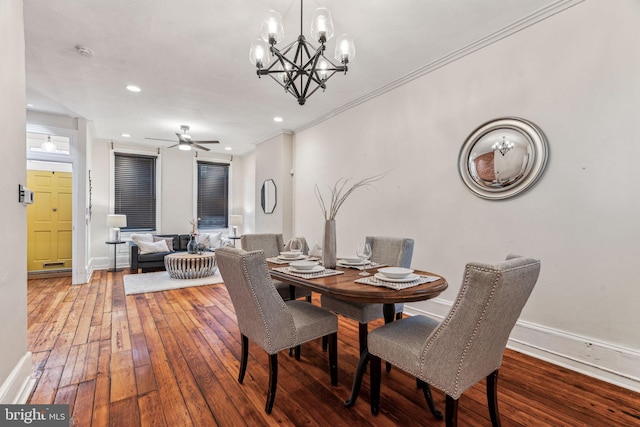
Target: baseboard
<point>18,386</point>
<point>105,263</point>
<point>613,364</point>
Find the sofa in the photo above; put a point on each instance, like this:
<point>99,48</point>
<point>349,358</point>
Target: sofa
<point>147,251</point>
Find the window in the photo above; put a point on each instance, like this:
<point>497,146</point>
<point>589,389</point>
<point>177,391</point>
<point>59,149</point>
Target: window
<point>135,190</point>
<point>213,195</point>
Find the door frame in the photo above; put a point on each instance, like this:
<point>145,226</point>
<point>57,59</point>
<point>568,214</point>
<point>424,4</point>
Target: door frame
<point>78,165</point>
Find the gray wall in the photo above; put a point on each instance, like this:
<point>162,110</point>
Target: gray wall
<point>576,75</point>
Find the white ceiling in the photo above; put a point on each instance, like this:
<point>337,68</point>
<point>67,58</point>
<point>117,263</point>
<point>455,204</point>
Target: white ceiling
<point>191,59</point>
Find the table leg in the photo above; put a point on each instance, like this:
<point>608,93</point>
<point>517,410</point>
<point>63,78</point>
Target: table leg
<point>389,312</point>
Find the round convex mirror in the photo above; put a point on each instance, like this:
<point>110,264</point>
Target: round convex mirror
<point>503,158</point>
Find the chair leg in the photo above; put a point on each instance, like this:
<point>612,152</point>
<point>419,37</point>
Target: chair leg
<point>376,377</point>
<point>399,316</point>
<point>357,380</point>
<point>426,390</point>
<point>363,333</point>
<point>244,355</point>
<point>333,357</point>
<point>273,382</point>
<point>309,298</point>
<point>492,398</point>
<point>297,351</point>
<point>451,412</point>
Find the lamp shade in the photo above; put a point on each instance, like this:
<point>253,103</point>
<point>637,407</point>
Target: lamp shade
<point>236,220</point>
<point>116,221</point>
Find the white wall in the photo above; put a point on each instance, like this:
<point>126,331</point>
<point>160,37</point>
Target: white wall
<point>176,192</point>
<point>577,76</point>
<point>15,360</point>
<point>273,161</point>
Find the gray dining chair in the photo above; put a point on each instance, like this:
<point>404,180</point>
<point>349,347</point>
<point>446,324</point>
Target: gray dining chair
<point>391,251</point>
<point>267,320</point>
<point>272,244</point>
<point>465,347</point>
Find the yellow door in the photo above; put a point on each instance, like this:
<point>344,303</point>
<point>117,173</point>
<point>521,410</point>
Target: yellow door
<point>49,220</point>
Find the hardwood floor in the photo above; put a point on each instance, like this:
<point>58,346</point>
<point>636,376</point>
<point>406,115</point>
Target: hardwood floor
<point>171,359</point>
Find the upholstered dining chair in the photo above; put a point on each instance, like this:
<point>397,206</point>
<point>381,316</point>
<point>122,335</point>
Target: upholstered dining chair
<point>272,245</point>
<point>267,320</point>
<point>391,251</point>
<point>467,346</point>
<point>305,245</point>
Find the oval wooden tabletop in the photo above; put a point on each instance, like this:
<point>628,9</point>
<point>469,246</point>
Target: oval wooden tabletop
<point>343,286</point>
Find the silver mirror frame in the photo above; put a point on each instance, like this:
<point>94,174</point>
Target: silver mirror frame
<point>531,143</point>
<point>268,196</point>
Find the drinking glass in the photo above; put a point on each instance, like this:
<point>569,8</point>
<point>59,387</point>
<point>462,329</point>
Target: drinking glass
<point>364,253</point>
<point>296,245</point>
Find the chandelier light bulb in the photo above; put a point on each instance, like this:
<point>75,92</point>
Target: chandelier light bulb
<point>272,30</point>
<point>323,71</point>
<point>345,49</point>
<point>322,25</point>
<point>258,54</point>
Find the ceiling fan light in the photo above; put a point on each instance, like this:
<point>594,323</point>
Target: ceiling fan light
<point>184,147</point>
<point>272,30</point>
<point>322,25</point>
<point>345,48</point>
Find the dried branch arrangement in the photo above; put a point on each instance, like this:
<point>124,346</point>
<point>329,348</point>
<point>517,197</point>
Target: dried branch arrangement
<point>340,193</point>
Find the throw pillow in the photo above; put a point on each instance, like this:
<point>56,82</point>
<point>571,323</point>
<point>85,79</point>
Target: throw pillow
<point>147,238</point>
<point>169,241</point>
<point>203,239</point>
<point>215,240</point>
<point>153,247</point>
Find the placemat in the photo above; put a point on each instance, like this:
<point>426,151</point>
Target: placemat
<point>372,280</point>
<point>324,273</point>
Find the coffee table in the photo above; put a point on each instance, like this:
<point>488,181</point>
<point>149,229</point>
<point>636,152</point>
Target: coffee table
<point>183,265</point>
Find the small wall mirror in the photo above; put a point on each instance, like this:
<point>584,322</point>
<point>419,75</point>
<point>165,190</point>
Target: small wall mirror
<point>268,196</point>
<point>503,158</point>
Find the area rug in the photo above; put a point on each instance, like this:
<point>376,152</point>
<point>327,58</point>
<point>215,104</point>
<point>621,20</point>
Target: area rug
<point>160,281</point>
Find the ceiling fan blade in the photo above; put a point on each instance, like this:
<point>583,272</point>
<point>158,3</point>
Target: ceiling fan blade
<point>207,142</point>
<point>174,145</point>
<point>181,138</point>
<point>158,139</point>
<point>200,147</point>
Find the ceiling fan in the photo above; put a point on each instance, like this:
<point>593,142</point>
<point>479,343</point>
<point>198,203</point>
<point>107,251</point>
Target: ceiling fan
<point>185,142</point>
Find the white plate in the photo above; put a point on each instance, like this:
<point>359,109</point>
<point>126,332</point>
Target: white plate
<point>284,258</point>
<point>395,272</point>
<point>384,278</point>
<point>351,261</point>
<point>315,269</point>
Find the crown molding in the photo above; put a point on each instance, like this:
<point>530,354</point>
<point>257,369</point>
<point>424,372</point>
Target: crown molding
<point>516,26</point>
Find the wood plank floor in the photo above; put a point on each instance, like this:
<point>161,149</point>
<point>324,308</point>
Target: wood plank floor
<point>171,359</point>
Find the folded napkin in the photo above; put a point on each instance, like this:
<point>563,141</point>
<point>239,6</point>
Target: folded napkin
<point>360,267</point>
<point>373,281</point>
<point>324,273</point>
<point>277,260</point>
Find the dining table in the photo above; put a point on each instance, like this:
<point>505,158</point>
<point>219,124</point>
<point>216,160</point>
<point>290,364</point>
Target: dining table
<point>340,283</point>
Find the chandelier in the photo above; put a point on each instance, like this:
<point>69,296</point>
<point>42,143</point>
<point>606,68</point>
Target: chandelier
<point>299,67</point>
<point>502,146</point>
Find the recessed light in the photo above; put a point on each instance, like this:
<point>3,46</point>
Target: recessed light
<point>125,135</point>
<point>278,119</point>
<point>133,88</point>
<point>30,105</point>
<point>228,148</point>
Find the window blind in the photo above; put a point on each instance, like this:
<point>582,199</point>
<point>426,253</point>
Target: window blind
<point>213,195</point>
<point>135,190</point>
